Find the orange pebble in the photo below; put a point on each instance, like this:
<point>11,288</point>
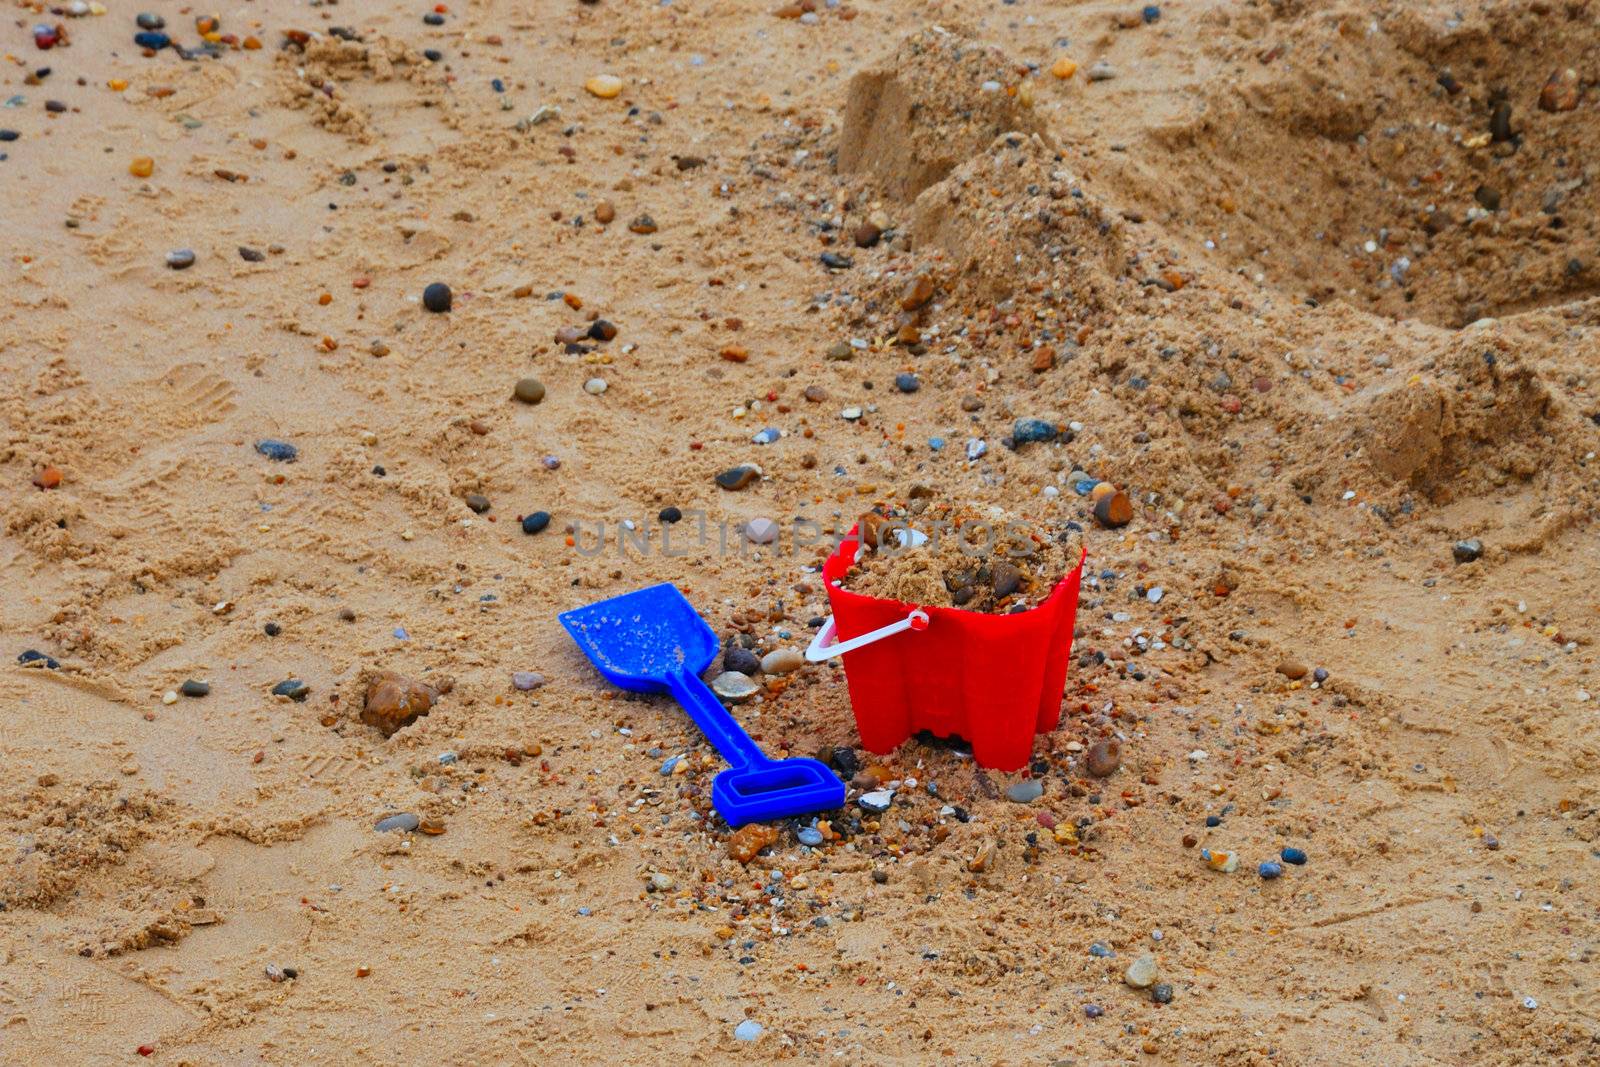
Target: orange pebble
<point>325,299</point>
<point>142,167</point>
<point>48,478</point>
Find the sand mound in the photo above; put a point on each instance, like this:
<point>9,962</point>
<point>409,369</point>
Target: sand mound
<point>939,100</point>
<point>1012,217</point>
<point>1419,169</point>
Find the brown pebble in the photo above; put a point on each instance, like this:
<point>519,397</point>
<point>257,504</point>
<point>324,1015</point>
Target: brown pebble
<point>1103,758</point>
<point>737,477</point>
<point>643,224</point>
<point>1561,92</point>
<point>1189,841</point>
<point>747,841</point>
<point>867,235</point>
<point>735,353</point>
<point>1006,578</point>
<point>917,292</point>
<point>1044,358</point>
<point>529,390</point>
<point>48,478</point>
<point>604,213</point>
<point>394,702</point>
<point>815,393</point>
<point>1293,670</point>
<point>1113,510</point>
<point>570,335</point>
<point>522,292</point>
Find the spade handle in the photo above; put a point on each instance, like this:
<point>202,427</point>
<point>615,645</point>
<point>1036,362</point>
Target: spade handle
<point>714,720</point>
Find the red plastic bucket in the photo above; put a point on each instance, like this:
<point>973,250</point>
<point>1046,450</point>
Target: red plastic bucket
<point>995,680</point>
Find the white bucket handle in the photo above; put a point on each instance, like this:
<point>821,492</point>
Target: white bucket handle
<point>823,646</point>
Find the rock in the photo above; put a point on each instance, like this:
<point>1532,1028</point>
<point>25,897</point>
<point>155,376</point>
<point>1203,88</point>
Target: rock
<point>662,882</point>
<point>604,212</point>
<point>670,515</point>
<point>594,386</point>
<point>1025,792</point>
<point>1561,92</point>
<point>605,86</point>
<point>749,840</point>
<point>48,478</point>
<point>877,801</point>
<point>840,351</point>
<point>740,659</point>
<point>907,382</point>
<point>1101,950</point>
<point>251,255</point>
<point>1500,130</point>
<point>761,531</point>
<point>192,688</point>
<point>851,414</point>
<point>602,330</point>
<point>749,1030</point>
<point>809,836</point>
<point>782,661</point>
<point>867,235</point>
<point>767,435</point>
<point>816,394</point>
<point>1141,973</point>
<point>835,261</point>
<point>1161,993</point>
<point>526,680</point>
<point>477,503</point>
<point>34,658</point>
<point>918,291</point>
<point>644,224</point>
<point>1319,675</point>
<point>1293,670</point>
<point>1006,578</point>
<point>535,522</point>
<point>1293,855</point>
<point>437,297</point>
<point>293,688</point>
<point>1026,431</point>
<point>180,258</point>
<point>405,822</point>
<point>977,448</point>
<point>1063,68</point>
<point>1044,358</point>
<point>148,21</point>
<point>734,687</point>
<point>278,451</point>
<point>394,701</point>
<point>738,477</point>
<point>1103,758</point>
<point>1113,510</point>
<point>845,761</point>
<point>1102,71</point>
<point>1226,862</point>
<point>529,390</point>
<point>1467,551</point>
<point>1270,869</point>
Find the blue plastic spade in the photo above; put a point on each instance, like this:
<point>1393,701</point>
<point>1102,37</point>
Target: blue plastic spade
<point>653,641</point>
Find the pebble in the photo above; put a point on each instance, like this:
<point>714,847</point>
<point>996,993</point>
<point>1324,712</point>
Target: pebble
<point>850,414</point>
<point>1467,551</point>
<point>1025,792</point>
<point>604,213</point>
<point>1293,855</point>
<point>1319,675</point>
<point>670,515</point>
<point>255,255</point>
<point>740,659</point>
<point>405,822</point>
<point>747,841</point>
<point>394,702</point>
<point>809,836</point>
<point>845,761</point>
<point>293,688</point>
<point>761,531</point>
<point>1063,68</point>
<point>526,680</point>
<point>662,882</point>
<point>437,297</point>
<point>1161,993</point>
<point>738,477</point>
<point>538,520</point>
<point>477,502</point>
<point>976,448</point>
<point>1293,670</point>
<point>866,235</point>
<point>1026,431</point>
<point>734,687</point>
<point>834,261</point>
<point>643,224</point>
<point>148,20</point>
<point>877,801</point>
<point>1561,92</point>
<point>907,383</point>
<point>279,451</point>
<point>1113,510</point>
<point>918,291</point>
<point>605,86</point>
<point>767,436</point>
<point>1093,1011</point>
<point>141,166</point>
<point>1103,758</point>
<point>1005,578</point>
<point>782,661</point>
<point>180,258</point>
<point>669,765</point>
<point>192,688</point>
<point>33,655</point>
<point>594,386</point>
<point>151,40</point>
<point>1101,950</point>
<point>9,135</point>
<point>748,1030</point>
<point>529,390</point>
<point>1226,862</point>
<point>1141,973</point>
<point>1270,869</point>
<point>1102,71</point>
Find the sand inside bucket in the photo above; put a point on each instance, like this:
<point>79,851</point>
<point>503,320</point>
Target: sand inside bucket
<point>974,561</point>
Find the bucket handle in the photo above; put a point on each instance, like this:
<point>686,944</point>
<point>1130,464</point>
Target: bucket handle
<point>823,646</point>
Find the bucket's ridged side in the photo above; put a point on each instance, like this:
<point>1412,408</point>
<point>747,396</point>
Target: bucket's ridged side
<point>995,680</point>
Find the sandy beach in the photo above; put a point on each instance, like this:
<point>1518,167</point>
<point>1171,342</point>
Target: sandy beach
<point>346,345</point>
